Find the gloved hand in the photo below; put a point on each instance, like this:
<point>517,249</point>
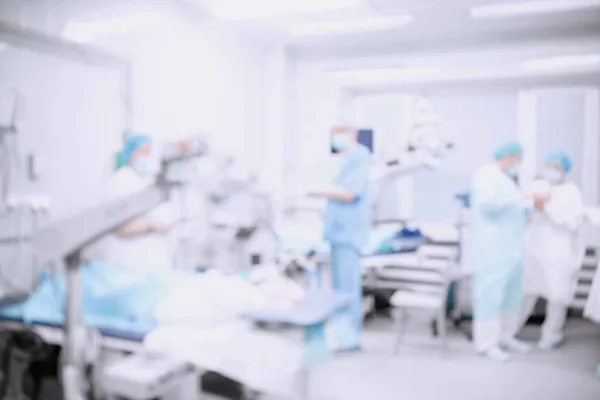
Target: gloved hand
<point>160,227</point>
<point>540,201</point>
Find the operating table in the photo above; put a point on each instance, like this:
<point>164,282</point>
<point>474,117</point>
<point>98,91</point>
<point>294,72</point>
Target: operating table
<point>309,317</point>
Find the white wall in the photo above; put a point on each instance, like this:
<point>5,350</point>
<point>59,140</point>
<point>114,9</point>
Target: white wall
<point>388,115</point>
<point>197,80</point>
<point>279,136</point>
<point>466,121</point>
<point>476,123</point>
<point>72,122</point>
<point>186,81</point>
<point>561,126</point>
<point>544,120</point>
<point>319,106</point>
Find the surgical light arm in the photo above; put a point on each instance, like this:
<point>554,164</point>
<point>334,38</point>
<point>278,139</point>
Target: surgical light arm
<point>64,239</point>
<point>398,168</point>
<point>68,237</point>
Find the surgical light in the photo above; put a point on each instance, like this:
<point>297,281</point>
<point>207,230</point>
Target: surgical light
<point>350,25</point>
<point>563,62</point>
<point>526,8</point>
<point>383,75</point>
<point>184,149</point>
<point>236,10</point>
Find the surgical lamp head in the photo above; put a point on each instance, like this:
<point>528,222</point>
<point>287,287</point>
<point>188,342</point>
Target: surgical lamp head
<point>178,162</point>
<point>184,149</point>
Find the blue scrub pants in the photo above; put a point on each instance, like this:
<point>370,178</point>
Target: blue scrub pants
<point>497,295</point>
<point>346,278</point>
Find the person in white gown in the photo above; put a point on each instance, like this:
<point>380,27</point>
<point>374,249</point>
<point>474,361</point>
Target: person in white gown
<point>554,249</point>
<point>145,243</point>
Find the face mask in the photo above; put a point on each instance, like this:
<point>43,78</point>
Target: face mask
<point>512,170</point>
<point>552,175</point>
<point>142,165</point>
<point>340,142</point>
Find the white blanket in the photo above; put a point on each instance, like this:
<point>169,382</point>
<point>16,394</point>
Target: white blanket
<point>263,361</point>
<point>199,323</point>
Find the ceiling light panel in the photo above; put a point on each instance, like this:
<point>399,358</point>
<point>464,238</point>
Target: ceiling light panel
<point>585,61</point>
<point>529,7</point>
<point>237,10</point>
<point>374,24</point>
<point>85,32</point>
<point>383,75</point>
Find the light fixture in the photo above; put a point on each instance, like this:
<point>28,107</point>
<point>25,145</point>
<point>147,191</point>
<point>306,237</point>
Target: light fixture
<point>85,32</point>
<point>236,10</point>
<point>372,24</point>
<point>562,62</point>
<point>529,7</point>
<point>383,75</point>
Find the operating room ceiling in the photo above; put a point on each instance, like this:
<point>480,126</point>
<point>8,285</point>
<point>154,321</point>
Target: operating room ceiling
<point>436,25</point>
<point>431,33</point>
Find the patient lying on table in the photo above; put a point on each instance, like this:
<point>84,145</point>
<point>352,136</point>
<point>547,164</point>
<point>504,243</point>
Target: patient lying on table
<point>193,316</point>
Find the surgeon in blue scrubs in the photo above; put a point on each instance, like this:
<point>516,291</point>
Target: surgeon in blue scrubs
<point>347,224</point>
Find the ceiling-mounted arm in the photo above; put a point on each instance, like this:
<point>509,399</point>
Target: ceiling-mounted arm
<point>13,125</point>
<point>58,241</point>
<point>424,151</point>
<point>8,152</point>
<point>63,239</point>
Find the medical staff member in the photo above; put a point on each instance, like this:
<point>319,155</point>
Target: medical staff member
<point>144,243</point>
<point>347,223</point>
<point>498,239</point>
<point>554,252</point>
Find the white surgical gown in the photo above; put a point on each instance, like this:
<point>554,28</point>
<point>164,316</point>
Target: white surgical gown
<point>555,251</point>
<point>149,252</point>
<point>498,249</point>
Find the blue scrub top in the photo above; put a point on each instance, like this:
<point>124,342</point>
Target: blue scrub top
<point>349,223</point>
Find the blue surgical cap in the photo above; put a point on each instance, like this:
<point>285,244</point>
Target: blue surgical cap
<point>133,143</point>
<point>559,158</point>
<point>507,150</point>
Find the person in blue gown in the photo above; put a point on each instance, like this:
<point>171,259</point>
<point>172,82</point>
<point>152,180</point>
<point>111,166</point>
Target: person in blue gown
<point>499,211</point>
<point>347,225</point>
